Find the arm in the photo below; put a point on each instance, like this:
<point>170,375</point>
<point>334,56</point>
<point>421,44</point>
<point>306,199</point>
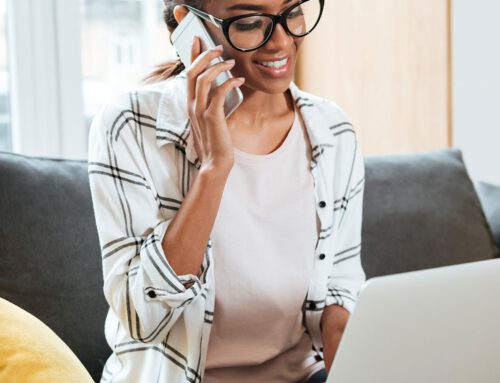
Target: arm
<point>346,274</point>
<point>333,322</point>
<point>188,234</point>
<point>143,289</point>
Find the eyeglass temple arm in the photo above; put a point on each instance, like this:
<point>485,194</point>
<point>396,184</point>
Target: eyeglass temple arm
<point>214,20</point>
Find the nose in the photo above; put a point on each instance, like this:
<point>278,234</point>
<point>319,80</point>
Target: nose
<point>280,39</point>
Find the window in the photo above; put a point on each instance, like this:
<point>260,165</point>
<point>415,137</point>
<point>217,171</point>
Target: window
<point>122,40</point>
<point>5,131</point>
<point>126,52</point>
<point>70,58</point>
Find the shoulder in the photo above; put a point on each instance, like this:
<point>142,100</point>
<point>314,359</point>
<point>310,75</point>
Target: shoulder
<point>138,105</point>
<point>338,123</point>
<point>133,119</point>
<point>332,119</point>
<point>328,109</point>
<point>143,106</point>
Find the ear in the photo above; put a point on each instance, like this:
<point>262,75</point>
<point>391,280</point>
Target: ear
<point>179,13</point>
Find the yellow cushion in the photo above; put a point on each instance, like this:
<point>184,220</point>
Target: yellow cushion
<point>31,352</point>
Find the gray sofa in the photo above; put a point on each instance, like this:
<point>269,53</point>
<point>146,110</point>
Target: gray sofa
<point>420,211</point>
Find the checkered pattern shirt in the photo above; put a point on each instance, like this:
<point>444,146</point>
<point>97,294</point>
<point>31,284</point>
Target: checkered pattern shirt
<point>142,162</point>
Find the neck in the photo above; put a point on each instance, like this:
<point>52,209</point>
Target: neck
<point>259,109</point>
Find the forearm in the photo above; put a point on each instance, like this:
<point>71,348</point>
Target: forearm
<point>187,236</point>
<point>333,322</point>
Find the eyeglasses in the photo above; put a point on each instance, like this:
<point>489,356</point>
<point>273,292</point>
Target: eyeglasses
<point>251,31</point>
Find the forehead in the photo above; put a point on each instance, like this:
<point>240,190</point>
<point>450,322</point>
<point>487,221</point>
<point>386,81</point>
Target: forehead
<point>248,5</point>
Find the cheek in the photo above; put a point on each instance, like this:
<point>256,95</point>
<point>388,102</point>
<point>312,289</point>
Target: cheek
<point>243,61</point>
<point>245,66</point>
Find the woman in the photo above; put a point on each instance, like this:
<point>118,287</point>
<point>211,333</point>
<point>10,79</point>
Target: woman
<point>231,248</point>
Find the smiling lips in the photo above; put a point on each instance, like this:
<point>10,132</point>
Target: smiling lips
<point>276,68</point>
<point>274,64</point>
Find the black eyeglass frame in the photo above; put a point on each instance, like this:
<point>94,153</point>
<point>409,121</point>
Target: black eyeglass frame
<point>224,24</point>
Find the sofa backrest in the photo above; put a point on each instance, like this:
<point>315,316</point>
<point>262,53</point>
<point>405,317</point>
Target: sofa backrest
<point>421,211</point>
<point>50,262</point>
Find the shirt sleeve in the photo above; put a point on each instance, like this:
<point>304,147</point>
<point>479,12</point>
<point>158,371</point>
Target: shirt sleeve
<point>347,275</point>
<point>139,284</point>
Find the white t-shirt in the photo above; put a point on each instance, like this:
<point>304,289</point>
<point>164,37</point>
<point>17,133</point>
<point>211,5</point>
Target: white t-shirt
<point>264,236</point>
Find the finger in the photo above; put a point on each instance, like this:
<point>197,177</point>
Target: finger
<point>220,93</point>
<point>201,62</point>
<point>195,48</point>
<point>195,52</point>
<point>206,82</point>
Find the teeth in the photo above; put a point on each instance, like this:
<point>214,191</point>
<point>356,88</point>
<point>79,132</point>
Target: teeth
<point>274,64</point>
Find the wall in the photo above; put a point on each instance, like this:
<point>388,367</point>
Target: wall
<point>476,86</point>
<point>387,64</point>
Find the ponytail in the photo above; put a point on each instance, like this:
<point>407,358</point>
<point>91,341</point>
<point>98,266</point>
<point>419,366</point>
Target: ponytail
<point>164,71</point>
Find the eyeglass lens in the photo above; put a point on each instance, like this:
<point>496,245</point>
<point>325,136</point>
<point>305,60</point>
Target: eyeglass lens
<point>250,32</point>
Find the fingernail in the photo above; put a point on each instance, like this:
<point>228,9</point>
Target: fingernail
<point>218,47</point>
<point>230,62</point>
<point>241,80</point>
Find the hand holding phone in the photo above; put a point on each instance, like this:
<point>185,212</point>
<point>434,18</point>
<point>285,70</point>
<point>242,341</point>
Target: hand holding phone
<point>182,38</point>
<point>211,136</point>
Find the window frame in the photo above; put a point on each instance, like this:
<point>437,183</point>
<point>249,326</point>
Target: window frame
<point>46,78</point>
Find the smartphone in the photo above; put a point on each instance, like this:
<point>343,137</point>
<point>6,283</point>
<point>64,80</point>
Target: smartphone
<point>182,38</point>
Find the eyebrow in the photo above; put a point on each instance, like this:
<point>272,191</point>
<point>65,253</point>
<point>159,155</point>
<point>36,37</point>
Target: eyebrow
<point>251,7</point>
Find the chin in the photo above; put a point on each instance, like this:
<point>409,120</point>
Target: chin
<point>270,86</point>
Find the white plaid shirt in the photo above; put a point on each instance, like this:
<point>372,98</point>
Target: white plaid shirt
<point>142,162</point>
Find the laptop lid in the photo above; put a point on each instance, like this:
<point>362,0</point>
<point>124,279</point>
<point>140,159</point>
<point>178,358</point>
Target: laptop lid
<point>434,325</point>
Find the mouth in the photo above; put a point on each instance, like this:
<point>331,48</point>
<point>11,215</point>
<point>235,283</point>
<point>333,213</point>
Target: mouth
<point>278,67</point>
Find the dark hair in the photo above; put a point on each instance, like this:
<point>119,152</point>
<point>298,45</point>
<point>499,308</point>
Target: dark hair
<point>170,68</point>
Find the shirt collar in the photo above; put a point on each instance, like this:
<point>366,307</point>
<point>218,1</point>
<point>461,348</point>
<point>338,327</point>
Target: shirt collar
<point>173,122</point>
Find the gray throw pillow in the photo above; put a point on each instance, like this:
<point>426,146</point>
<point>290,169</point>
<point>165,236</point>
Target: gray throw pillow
<point>421,211</point>
<point>50,263</point>
<point>489,195</point>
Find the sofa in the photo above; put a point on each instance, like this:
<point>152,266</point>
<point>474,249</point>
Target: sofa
<point>420,211</point>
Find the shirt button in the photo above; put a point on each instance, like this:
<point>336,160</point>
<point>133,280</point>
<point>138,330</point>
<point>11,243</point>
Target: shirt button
<point>151,294</point>
<point>322,256</point>
<point>322,204</point>
<point>318,358</point>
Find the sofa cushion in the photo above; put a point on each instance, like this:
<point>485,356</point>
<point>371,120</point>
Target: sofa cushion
<point>31,352</point>
<point>421,211</point>
<point>489,195</point>
<point>50,262</point>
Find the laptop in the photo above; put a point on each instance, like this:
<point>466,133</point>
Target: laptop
<point>435,325</point>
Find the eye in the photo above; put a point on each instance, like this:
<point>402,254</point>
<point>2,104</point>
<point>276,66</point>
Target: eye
<point>296,13</point>
<point>248,26</point>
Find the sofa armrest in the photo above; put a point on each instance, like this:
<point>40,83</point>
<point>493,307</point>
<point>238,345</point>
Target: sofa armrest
<point>489,195</point>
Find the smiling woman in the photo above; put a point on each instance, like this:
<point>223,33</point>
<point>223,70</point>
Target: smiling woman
<point>231,247</point>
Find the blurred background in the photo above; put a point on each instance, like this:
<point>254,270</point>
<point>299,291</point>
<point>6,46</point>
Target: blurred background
<point>413,75</point>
